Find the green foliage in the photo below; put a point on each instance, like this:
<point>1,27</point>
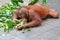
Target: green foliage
<point>9,24</point>
<point>6,12</point>
<point>24,22</point>
<point>44,2</point>
<point>29,29</point>
<point>1,24</point>
<point>33,2</point>
<point>16,2</point>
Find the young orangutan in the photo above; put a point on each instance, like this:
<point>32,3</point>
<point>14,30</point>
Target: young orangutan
<point>33,14</point>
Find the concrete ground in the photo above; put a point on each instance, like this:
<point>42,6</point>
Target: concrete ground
<point>49,30</point>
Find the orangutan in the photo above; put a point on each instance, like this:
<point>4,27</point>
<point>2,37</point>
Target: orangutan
<point>34,14</point>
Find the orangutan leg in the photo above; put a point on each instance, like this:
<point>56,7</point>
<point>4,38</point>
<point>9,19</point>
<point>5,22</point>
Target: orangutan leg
<point>53,13</point>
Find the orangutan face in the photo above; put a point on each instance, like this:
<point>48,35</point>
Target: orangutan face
<point>22,13</point>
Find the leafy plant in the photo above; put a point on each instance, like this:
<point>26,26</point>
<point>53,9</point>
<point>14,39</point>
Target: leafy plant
<point>44,2</point>
<point>33,2</point>
<point>6,12</point>
<point>1,24</point>
<point>16,2</point>
<point>9,24</point>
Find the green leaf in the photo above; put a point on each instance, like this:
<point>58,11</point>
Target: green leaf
<point>24,22</point>
<point>43,2</point>
<point>6,28</point>
<point>23,30</point>
<point>1,24</point>
<point>3,18</point>
<point>9,25</point>
<point>33,2</point>
<point>29,29</point>
<point>15,2</point>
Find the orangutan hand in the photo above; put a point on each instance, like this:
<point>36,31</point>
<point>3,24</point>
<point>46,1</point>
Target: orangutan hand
<point>19,26</point>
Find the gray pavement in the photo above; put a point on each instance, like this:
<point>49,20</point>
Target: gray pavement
<point>49,30</point>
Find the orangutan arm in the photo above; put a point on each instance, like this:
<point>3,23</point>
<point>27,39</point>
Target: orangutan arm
<point>36,20</point>
<point>33,23</point>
